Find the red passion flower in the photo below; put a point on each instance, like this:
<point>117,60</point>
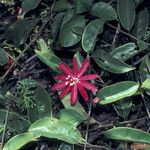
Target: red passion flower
<point>75,81</point>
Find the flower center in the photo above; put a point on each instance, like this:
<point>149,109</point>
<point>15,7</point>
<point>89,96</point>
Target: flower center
<point>71,81</point>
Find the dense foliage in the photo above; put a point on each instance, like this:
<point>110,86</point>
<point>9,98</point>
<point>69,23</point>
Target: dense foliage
<point>49,45</point>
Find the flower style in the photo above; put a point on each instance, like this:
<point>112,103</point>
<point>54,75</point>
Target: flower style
<point>75,81</point>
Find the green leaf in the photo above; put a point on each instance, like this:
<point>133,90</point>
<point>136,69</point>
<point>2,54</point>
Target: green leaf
<point>27,6</point>
<point>66,146</point>
<point>83,6</point>
<point>71,116</point>
<point>19,31</point>
<point>57,129</point>
<point>138,2</point>
<point>47,56</point>
<point>90,34</point>
<point>104,11</point>
<point>79,58</point>
<point>146,84</point>
<point>128,134</point>
<point>126,12</point>
<point>118,91</point>
<point>125,51</point>
<point>141,24</point>
<point>109,63</point>
<point>1,128</point>
<point>67,37</point>
<point>145,69</point>
<point>42,106</point>
<point>16,123</point>
<point>62,5</point>
<point>3,57</point>
<point>19,141</point>
<point>123,107</point>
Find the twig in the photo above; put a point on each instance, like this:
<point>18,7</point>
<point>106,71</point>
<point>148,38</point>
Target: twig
<point>133,37</point>
<point>115,37</point>
<point>88,123</point>
<point>5,125</point>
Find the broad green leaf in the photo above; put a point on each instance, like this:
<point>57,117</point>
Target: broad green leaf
<point>126,12</point>
<point>46,55</point>
<point>57,129</point>
<point>19,31</point>
<point>1,128</point>
<point>145,69</point>
<point>118,91</point>
<point>146,84</point>
<point>110,63</point>
<point>104,11</point>
<point>141,23</point>
<point>62,5</point>
<point>123,107</point>
<point>3,57</point>
<point>83,6</point>
<point>128,134</point>
<point>66,36</point>
<point>27,6</point>
<point>16,123</point>
<point>42,106</point>
<point>71,116</point>
<point>125,51</point>
<point>90,34</point>
<point>20,140</point>
<point>79,58</point>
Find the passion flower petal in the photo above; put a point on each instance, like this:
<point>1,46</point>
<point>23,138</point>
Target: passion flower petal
<point>88,86</point>
<point>75,66</point>
<point>89,77</point>
<point>61,77</point>
<point>59,86</point>
<point>74,94</point>
<point>64,92</point>
<point>65,69</point>
<point>83,68</point>
<point>83,92</point>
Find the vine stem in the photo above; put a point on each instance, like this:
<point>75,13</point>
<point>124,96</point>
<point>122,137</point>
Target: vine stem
<point>5,126</point>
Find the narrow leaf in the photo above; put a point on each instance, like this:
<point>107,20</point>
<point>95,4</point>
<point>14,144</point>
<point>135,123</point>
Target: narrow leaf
<point>90,33</point>
<point>128,134</point>
<point>126,12</point>
<point>118,91</point>
<point>3,57</point>
<point>109,63</point>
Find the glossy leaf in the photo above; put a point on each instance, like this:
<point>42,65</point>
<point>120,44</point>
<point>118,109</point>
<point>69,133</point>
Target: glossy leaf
<point>126,12</point>
<point>26,6</point>
<point>141,23</point>
<point>118,91</point>
<point>67,37</point>
<point>90,34</point>
<point>56,129</point>
<point>1,128</point>
<point>3,57</point>
<point>104,11</point>
<point>125,51</point>
<point>146,84</point>
<point>128,134</point>
<point>20,140</point>
<point>20,30</point>
<point>42,106</point>
<point>83,6</point>
<point>145,69</point>
<point>71,116</point>
<point>109,63</point>
<point>47,56</point>
<point>62,5</point>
